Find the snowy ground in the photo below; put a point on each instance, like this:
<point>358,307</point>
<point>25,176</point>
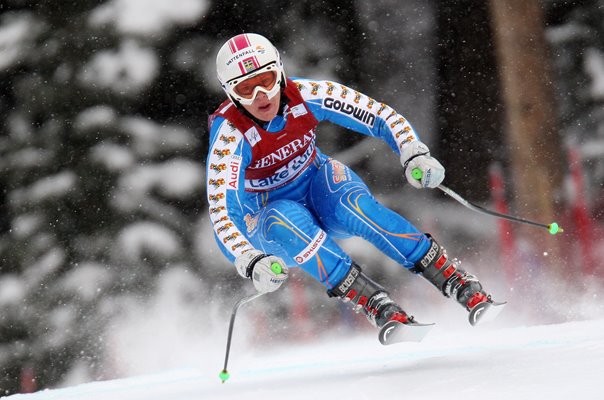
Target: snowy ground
<point>549,361</point>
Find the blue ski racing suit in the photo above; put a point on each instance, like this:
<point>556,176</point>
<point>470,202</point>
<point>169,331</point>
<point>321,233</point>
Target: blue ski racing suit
<point>270,188</point>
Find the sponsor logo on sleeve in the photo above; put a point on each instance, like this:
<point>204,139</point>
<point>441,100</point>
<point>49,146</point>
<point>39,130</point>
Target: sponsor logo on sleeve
<point>330,88</point>
<point>344,91</point>
<point>218,167</point>
<point>240,245</point>
<point>227,139</point>
<point>216,183</point>
<point>231,237</point>
<point>233,169</point>
<point>216,210</point>
<point>224,227</point>
<point>365,117</point>
<point>215,198</point>
<point>221,153</point>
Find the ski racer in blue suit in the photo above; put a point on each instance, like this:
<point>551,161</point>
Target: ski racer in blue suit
<point>276,201</point>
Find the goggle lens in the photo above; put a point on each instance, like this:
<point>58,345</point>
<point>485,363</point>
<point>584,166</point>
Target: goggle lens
<point>266,80</point>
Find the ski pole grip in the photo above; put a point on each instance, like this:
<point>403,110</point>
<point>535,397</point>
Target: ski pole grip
<point>417,174</point>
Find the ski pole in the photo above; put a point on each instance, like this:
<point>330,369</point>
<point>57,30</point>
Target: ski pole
<point>552,228</point>
<point>224,374</point>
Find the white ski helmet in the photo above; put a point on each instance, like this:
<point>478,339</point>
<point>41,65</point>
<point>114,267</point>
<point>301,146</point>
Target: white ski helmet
<point>245,56</point>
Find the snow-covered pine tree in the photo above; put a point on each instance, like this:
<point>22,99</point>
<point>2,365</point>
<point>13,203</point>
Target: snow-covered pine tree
<point>102,192</point>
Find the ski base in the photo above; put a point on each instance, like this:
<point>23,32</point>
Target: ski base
<point>396,332</point>
<point>485,312</point>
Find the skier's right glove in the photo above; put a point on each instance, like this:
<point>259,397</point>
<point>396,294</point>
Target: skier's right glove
<point>268,272</point>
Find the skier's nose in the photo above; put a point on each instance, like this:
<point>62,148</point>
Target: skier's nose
<point>261,96</point>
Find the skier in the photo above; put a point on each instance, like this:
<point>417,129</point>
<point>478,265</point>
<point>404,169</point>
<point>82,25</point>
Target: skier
<point>276,201</point>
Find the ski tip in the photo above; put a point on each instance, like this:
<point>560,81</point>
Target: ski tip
<point>395,332</point>
<point>485,312</point>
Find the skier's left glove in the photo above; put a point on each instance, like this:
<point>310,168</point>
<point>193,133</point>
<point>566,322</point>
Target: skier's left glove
<point>268,272</point>
<point>417,155</point>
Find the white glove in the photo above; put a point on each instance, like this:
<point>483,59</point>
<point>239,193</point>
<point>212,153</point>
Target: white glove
<point>417,156</point>
<point>267,272</point>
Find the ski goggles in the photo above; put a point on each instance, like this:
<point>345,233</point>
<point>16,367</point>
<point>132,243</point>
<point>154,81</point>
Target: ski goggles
<point>265,79</point>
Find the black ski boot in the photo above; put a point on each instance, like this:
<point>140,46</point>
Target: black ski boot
<point>373,300</point>
<point>452,281</point>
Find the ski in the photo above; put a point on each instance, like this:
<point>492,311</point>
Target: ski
<point>485,312</point>
<point>396,332</point>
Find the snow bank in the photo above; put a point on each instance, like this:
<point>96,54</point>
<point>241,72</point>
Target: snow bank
<point>550,361</point>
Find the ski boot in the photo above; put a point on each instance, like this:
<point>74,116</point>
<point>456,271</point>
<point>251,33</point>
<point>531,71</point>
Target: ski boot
<point>454,282</point>
<point>372,299</point>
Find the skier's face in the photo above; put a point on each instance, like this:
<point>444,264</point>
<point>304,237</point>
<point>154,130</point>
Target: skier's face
<point>263,108</point>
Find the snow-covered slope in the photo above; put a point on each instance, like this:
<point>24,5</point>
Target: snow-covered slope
<point>549,361</point>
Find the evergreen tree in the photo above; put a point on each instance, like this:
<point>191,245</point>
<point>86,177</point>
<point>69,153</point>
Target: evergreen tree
<point>101,193</point>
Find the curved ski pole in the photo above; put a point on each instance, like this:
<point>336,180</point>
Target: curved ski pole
<point>224,374</point>
<point>552,228</point>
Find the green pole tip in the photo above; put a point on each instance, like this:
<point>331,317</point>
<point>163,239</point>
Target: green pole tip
<point>417,173</point>
<point>224,375</point>
<point>554,228</point>
<point>276,268</point>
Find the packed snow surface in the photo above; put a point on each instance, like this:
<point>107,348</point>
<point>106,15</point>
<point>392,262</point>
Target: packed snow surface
<point>525,362</point>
